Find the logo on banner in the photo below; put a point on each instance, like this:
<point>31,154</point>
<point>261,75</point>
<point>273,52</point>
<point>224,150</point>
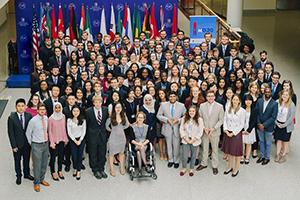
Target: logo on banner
<point>72,5</point>
<point>120,7</point>
<point>96,23</point>
<point>26,69</point>
<point>24,54</point>
<point>23,22</point>
<point>22,5</point>
<point>168,24</point>
<point>96,7</point>
<point>169,6</point>
<point>23,38</point>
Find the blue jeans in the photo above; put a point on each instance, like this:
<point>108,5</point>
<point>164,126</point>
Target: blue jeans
<point>77,152</point>
<point>265,143</point>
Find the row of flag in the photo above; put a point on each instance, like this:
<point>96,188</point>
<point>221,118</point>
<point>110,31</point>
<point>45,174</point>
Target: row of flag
<point>67,23</point>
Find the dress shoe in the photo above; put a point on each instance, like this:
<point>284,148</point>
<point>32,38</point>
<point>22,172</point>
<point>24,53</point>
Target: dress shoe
<point>55,178</point>
<point>18,181</point>
<point>37,188</point>
<point>215,171</point>
<point>189,160</point>
<point>61,176</point>
<point>176,165</point>
<point>228,171</point>
<point>191,173</point>
<point>200,167</point>
<point>197,162</point>
<point>75,172</point>
<point>103,174</point>
<point>29,177</point>
<point>170,164</point>
<point>97,175</point>
<point>67,168</point>
<point>234,175</point>
<point>265,162</point>
<point>260,160</point>
<point>242,161</point>
<point>247,161</point>
<point>78,176</point>
<point>45,183</point>
<point>82,167</point>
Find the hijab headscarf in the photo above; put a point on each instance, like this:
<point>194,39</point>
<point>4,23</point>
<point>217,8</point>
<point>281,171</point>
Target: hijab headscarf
<point>150,108</point>
<point>57,115</point>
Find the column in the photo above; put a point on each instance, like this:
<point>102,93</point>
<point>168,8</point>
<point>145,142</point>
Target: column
<point>235,13</point>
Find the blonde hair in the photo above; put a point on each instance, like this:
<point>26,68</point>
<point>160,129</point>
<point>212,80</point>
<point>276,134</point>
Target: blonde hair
<point>288,103</point>
<point>253,83</point>
<point>231,105</point>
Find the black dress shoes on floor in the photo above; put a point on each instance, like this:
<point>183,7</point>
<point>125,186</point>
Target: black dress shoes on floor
<point>176,165</point>
<point>103,174</point>
<point>170,164</point>
<point>67,168</point>
<point>227,172</point>
<point>97,175</point>
<point>18,181</point>
<point>234,175</point>
<point>215,171</point>
<point>265,162</point>
<point>29,177</point>
<point>260,160</point>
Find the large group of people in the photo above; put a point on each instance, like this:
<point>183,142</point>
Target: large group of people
<point>90,99</point>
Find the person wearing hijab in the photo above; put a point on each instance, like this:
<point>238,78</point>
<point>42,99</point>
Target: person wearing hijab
<point>148,108</point>
<point>58,139</point>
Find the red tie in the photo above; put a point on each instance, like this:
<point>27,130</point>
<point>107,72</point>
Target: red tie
<point>45,129</point>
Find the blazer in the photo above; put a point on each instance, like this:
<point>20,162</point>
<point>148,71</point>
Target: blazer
<point>96,134</point>
<point>16,133</point>
<point>164,113</point>
<point>268,117</point>
<point>215,119</point>
<point>227,50</point>
<point>196,131</point>
<point>289,123</point>
<point>253,120</point>
<point>60,82</point>
<point>62,66</point>
<point>275,95</point>
<point>49,105</point>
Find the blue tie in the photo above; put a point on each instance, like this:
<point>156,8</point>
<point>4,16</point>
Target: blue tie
<point>173,110</point>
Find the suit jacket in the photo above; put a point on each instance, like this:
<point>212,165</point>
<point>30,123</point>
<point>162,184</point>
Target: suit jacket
<point>67,111</point>
<point>268,117</point>
<point>227,50</point>
<point>16,133</point>
<point>164,113</point>
<point>85,55</point>
<point>60,82</point>
<point>96,133</point>
<point>62,66</point>
<point>216,117</point>
<point>275,94</point>
<point>49,105</point>
<point>211,46</point>
<point>116,70</point>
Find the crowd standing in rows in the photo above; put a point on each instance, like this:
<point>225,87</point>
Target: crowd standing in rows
<point>188,102</point>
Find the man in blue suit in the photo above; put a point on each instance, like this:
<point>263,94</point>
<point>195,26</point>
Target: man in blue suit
<point>267,112</point>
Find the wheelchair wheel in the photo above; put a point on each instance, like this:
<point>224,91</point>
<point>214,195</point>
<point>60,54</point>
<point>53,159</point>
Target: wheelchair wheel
<point>154,176</point>
<point>131,177</point>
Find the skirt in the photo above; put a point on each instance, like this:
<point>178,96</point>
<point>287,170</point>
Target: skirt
<point>233,145</point>
<point>282,134</point>
<point>249,139</point>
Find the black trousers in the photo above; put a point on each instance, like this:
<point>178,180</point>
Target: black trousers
<point>77,152</point>
<point>97,156</point>
<point>59,153</point>
<point>22,153</point>
<point>67,154</point>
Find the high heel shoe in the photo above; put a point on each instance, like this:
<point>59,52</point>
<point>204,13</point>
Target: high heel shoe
<point>78,176</point>
<point>228,171</point>
<point>75,173</point>
<point>61,176</point>
<point>54,178</point>
<point>234,175</point>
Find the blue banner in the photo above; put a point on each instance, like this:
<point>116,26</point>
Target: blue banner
<point>24,13</point>
<point>199,25</point>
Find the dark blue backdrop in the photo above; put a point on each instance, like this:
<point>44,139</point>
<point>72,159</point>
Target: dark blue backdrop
<point>24,10</point>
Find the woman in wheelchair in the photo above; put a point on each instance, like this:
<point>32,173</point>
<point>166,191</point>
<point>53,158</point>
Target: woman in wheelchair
<point>139,139</point>
<point>191,130</point>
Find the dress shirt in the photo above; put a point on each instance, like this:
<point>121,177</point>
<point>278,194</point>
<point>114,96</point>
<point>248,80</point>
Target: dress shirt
<point>21,115</point>
<point>235,122</point>
<point>75,130</point>
<point>96,112</point>
<point>35,129</point>
<point>266,104</point>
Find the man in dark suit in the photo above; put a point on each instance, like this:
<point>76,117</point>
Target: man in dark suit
<point>17,125</point>
<point>59,60</point>
<point>55,91</point>
<point>263,60</point>
<point>267,112</point>
<point>208,38</point>
<point>229,59</point>
<point>114,86</point>
<point>97,136</point>
<point>38,68</point>
<point>111,67</point>
<point>105,47</point>
<point>275,85</point>
<point>46,52</point>
<point>224,47</point>
<point>81,52</point>
<point>269,68</point>
<point>55,78</point>
<point>136,47</point>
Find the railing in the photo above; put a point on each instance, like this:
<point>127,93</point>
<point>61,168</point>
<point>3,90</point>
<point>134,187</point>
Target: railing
<point>222,26</point>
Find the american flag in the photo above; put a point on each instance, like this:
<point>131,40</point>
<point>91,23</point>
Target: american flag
<point>35,37</point>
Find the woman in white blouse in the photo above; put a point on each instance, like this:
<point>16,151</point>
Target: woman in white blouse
<point>191,130</point>
<point>284,125</point>
<point>76,127</point>
<point>234,123</point>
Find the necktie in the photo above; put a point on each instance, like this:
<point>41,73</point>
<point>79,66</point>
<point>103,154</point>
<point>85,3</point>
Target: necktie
<point>55,80</point>
<point>44,129</point>
<point>273,90</point>
<point>224,50</point>
<point>99,117</point>
<point>67,50</point>
<point>173,110</point>
<point>58,61</point>
<point>22,121</point>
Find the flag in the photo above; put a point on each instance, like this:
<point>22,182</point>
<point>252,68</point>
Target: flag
<point>112,27</point>
<point>127,29</point>
<point>60,24</point>
<point>174,23</point>
<point>146,25</point>
<point>48,22</point>
<point>161,17</point>
<point>137,23</point>
<point>153,30</point>
<point>73,26</point>
<point>66,19</point>
<point>103,23</point>
<point>82,21</point>
<point>35,36</point>
<point>119,22</point>
<point>43,29</point>
<point>53,24</point>
<point>88,27</point>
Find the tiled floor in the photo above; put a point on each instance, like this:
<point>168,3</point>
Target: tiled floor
<point>277,33</point>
